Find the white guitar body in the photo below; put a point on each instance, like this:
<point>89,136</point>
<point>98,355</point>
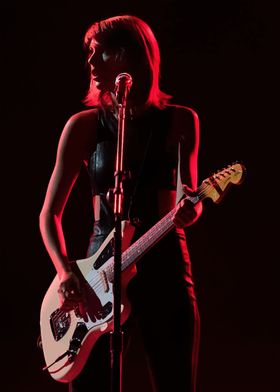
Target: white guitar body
<point>63,331</point>
<point>68,339</point>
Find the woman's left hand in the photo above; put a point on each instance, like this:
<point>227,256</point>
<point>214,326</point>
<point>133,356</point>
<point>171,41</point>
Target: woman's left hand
<point>187,213</point>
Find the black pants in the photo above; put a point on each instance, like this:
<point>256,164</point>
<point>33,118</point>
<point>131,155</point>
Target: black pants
<point>161,343</point>
<point>161,338</point>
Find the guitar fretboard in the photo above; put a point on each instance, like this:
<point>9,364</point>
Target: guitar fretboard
<point>150,238</point>
<point>147,241</point>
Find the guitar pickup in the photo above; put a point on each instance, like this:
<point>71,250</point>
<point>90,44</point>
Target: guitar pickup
<point>104,281</point>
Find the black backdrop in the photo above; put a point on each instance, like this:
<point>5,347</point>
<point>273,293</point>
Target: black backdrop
<point>217,57</point>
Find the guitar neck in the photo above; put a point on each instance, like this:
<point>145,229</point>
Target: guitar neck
<point>213,187</point>
<point>151,237</point>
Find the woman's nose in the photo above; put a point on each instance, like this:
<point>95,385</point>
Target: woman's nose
<point>93,57</point>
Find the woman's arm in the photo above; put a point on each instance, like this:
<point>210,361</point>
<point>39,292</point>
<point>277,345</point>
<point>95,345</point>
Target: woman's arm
<point>76,142</point>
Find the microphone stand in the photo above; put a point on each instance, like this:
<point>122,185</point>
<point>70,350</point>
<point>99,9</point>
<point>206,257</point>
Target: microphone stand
<point>116,342</point>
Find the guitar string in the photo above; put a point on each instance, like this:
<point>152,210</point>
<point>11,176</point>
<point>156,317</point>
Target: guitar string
<point>96,283</point>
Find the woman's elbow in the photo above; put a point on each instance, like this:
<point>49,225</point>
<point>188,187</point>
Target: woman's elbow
<point>46,217</point>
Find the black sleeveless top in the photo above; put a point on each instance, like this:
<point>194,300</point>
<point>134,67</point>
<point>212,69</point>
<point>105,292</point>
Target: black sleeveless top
<point>150,161</point>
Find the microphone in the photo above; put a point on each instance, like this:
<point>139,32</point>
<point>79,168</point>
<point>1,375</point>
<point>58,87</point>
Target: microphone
<point>123,84</point>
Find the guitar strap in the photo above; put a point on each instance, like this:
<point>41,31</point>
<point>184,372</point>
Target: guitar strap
<point>179,188</point>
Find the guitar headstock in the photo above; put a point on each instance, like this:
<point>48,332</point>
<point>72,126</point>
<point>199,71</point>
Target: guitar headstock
<point>216,185</point>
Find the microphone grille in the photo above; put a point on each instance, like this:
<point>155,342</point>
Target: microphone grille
<point>125,77</point>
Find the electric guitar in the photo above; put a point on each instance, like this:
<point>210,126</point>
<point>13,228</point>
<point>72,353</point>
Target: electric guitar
<point>67,338</point>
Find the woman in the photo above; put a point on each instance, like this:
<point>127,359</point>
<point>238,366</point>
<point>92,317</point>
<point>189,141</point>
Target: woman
<point>160,155</point>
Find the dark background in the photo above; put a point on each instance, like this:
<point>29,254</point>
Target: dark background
<point>218,58</point>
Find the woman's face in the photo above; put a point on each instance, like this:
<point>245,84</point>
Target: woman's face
<point>105,65</point>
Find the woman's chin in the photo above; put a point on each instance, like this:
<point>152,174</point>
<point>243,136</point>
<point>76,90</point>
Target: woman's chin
<point>102,86</point>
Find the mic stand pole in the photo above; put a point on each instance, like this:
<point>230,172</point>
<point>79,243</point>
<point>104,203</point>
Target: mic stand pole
<point>116,343</point>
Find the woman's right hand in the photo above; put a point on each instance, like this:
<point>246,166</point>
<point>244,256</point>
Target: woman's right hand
<point>72,294</point>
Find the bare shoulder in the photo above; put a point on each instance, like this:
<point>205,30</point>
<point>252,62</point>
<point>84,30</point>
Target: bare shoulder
<point>85,118</point>
<point>184,113</point>
<point>79,132</point>
<point>185,122</point>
